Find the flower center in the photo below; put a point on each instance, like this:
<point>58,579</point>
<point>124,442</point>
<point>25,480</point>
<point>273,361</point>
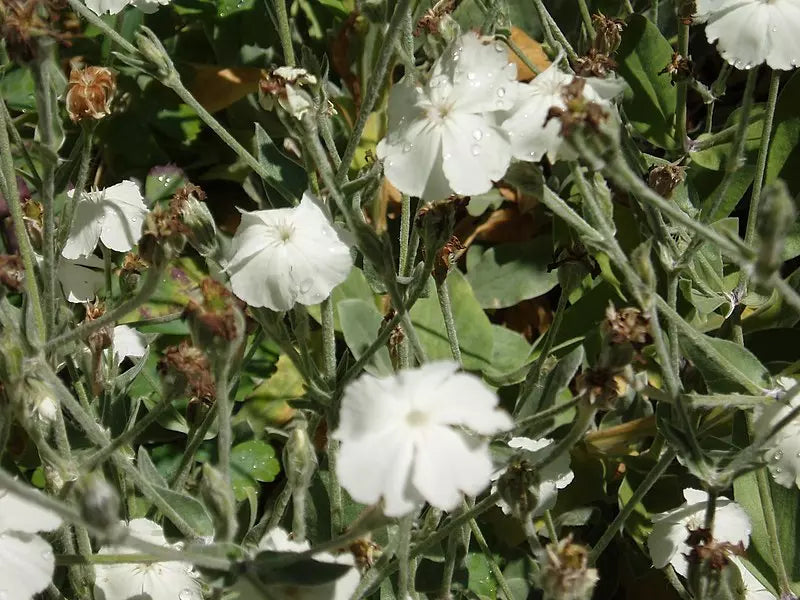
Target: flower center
<point>417,418</point>
<point>438,113</point>
<point>285,231</point>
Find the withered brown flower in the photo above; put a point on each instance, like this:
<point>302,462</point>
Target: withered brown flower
<point>90,93</point>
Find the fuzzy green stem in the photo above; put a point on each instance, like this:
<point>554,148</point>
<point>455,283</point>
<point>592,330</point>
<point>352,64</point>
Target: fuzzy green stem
<point>639,493</point>
<point>449,322</point>
<point>374,84</point>
<point>405,228</point>
<point>487,553</point>
<point>682,87</point>
<point>285,33</point>
<point>768,509</point>
<point>586,17</point>
<point>11,193</point>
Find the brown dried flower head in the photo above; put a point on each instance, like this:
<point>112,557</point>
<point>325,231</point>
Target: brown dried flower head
<point>364,551</point>
<point>594,64</point>
<point>602,386</point>
<point>579,111</point>
<point>12,271</point>
<point>628,325</point>
<point>608,33</point>
<point>90,93</point>
<point>192,366</point>
<point>665,178</point>
<point>219,311</point>
<point>432,18</point>
<point>565,571</point>
<point>447,257</point>
<point>706,550</point>
<point>679,68</point>
<point>22,22</point>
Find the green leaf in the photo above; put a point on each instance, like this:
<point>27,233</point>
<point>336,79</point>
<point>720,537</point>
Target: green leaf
<point>267,402</point>
<point>355,286</point>
<point>510,273</point>
<point>251,462</point>
<point>784,149</point>
<point>286,177</point>
<point>360,322</point>
<point>475,336</point>
<point>650,103</point>
<point>274,568</point>
<point>228,7</point>
<point>17,89</point>
<point>726,366</point>
<point>148,469</point>
<point>510,352</point>
<point>481,581</point>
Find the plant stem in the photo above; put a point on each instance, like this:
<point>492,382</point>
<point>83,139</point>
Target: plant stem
<point>404,555</point>
<point>374,84</point>
<point>487,552</point>
<point>285,33</point>
<point>682,86</point>
<point>405,229</point>
<point>768,509</point>
<point>587,19</point>
<point>80,8</point>
<point>450,555</point>
<point>761,166</point>
<point>449,322</point>
<point>639,493</point>
<point>15,208</point>
<point>195,438</point>
<point>46,108</point>
<point>149,286</point>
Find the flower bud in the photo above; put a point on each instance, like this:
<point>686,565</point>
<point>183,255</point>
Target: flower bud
<point>33,400</point>
<point>565,573</point>
<point>99,502</point>
<point>285,85</point>
<point>151,48</point>
<point>12,272</point>
<point>299,458</point>
<point>186,369</point>
<point>608,33</point>
<point>131,273</point>
<point>218,495</point>
<point>90,93</point>
<point>200,229</point>
<point>518,487</point>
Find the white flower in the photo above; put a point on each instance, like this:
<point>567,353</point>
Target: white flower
<point>287,255</point>
<point>112,7</point>
<point>402,437</point>
<point>81,278</point>
<point>532,135</point>
<point>443,137</point>
<point>114,216</point>
<point>667,541</point>
<point>782,452</point>
<point>26,560</point>
<point>289,83</point>
<point>750,32</point>
<point>752,588</point>
<point>553,477</point>
<point>341,589</point>
<point>128,342</point>
<point>155,581</point>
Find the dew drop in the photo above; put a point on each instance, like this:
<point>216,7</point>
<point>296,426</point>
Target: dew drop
<point>774,29</point>
<point>456,56</point>
<point>501,92</point>
<point>499,47</point>
<point>477,134</point>
<point>447,156</point>
<point>134,219</point>
<point>778,470</point>
<point>476,150</point>
<point>777,456</point>
<point>738,64</point>
<point>407,147</point>
<point>510,71</point>
<point>794,62</point>
<point>185,594</point>
<point>47,554</point>
<point>797,455</point>
<point>471,76</point>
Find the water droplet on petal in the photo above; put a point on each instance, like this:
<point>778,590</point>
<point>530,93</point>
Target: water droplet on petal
<point>475,149</point>
<point>407,147</point>
<point>471,76</point>
<point>778,455</point>
<point>447,156</point>
<point>186,594</point>
<point>774,29</point>
<point>499,47</point>
<point>456,56</point>
<point>477,134</point>
<point>779,470</point>
<point>501,92</point>
<point>47,554</point>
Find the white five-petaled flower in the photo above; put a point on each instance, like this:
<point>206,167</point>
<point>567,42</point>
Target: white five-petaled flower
<point>114,216</point>
<point>750,32</point>
<point>532,135</point>
<point>170,580</point>
<point>81,278</point>
<point>782,452</point>
<point>340,589</point>
<point>26,560</point>
<point>443,136</point>
<point>402,438</point>
<point>553,477</point>
<point>284,256</point>
<point>112,7</point>
<point>667,541</point>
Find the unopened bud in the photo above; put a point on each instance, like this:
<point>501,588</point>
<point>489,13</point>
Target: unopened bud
<point>99,502</point>
<point>90,93</point>
<point>299,458</point>
<point>151,48</point>
<point>34,401</point>
<point>665,178</point>
<point>565,571</point>
<point>131,273</point>
<point>218,495</point>
<point>200,229</point>
<point>640,258</point>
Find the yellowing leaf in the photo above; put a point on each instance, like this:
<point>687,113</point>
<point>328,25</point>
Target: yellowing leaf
<point>217,88</point>
<point>532,51</point>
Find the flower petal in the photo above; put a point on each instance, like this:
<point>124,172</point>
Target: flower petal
<point>84,233</point>
<point>100,7</point>
<point>124,213</point>
<point>26,565</point>
<point>475,153</point>
<point>449,464</point>
<point>784,43</point>
<point>369,407</point>
<point>741,33</point>
<point>22,515</point>
<point>81,279</point>
<point>379,466</point>
<point>128,342</point>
